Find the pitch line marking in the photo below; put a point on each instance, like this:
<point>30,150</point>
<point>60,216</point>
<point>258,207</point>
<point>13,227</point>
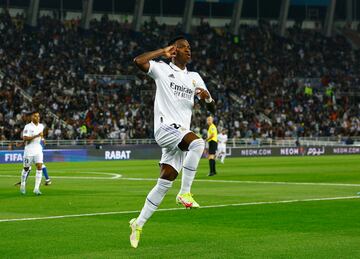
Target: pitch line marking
<point>282,183</point>
<point>113,176</point>
<point>255,182</point>
<point>251,182</point>
<point>120,177</point>
<point>173,209</point>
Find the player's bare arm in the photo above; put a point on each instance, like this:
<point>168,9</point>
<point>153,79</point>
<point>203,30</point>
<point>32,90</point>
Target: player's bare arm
<point>142,61</point>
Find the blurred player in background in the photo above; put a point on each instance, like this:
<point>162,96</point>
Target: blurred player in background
<point>222,139</point>
<point>32,135</point>
<point>212,138</point>
<point>176,88</point>
<point>27,119</point>
<point>44,169</point>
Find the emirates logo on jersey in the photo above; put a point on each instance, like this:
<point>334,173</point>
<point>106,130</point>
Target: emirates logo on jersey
<point>182,91</point>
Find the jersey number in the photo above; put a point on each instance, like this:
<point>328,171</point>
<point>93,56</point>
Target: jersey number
<point>176,126</point>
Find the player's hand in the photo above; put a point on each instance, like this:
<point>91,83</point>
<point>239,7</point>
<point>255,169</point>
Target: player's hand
<point>202,93</point>
<point>169,51</point>
<point>41,134</point>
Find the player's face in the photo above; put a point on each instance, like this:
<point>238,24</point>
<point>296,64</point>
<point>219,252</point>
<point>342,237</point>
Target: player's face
<point>35,118</point>
<point>209,120</point>
<point>183,51</point>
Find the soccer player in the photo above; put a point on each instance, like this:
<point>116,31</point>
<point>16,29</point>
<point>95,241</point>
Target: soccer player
<point>222,139</point>
<point>32,135</point>
<point>174,100</point>
<point>212,141</point>
<point>27,119</point>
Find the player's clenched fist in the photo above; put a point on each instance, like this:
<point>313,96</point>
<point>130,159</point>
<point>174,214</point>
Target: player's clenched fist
<point>202,93</point>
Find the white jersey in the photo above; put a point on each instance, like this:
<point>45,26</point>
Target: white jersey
<point>222,139</point>
<point>175,91</point>
<point>33,147</point>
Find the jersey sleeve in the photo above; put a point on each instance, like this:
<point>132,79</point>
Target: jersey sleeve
<point>199,82</point>
<point>211,130</point>
<point>154,69</point>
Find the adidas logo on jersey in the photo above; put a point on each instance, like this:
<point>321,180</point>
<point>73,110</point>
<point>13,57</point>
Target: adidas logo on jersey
<point>172,76</point>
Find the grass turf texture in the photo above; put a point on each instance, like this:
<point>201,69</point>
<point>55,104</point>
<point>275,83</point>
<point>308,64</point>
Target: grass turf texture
<point>314,229</point>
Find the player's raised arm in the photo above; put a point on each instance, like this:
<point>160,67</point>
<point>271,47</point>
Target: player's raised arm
<point>142,61</point>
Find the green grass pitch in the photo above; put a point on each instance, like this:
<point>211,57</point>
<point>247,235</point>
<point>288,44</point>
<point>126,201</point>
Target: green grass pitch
<point>298,221</point>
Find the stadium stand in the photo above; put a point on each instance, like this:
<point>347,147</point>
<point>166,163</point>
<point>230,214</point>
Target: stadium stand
<point>86,86</point>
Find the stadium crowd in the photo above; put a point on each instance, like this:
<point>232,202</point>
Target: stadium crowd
<point>264,85</point>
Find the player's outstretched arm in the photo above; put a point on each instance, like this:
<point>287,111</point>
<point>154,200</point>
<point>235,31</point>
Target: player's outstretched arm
<point>142,61</point>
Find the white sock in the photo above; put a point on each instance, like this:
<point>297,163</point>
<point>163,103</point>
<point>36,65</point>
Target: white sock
<point>223,157</point>
<point>153,200</point>
<point>23,177</point>
<point>191,163</point>
<point>38,179</point>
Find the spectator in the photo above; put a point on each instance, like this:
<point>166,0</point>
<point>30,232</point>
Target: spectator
<point>263,84</point>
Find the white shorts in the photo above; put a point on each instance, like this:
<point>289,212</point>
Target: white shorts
<point>168,138</point>
<point>37,159</point>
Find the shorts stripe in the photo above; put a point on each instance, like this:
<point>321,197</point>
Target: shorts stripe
<point>171,130</point>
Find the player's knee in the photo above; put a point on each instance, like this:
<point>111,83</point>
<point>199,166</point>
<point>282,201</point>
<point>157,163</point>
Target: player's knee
<point>168,172</point>
<point>197,145</point>
<point>170,176</point>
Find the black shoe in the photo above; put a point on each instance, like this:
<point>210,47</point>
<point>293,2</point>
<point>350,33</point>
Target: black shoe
<point>212,174</point>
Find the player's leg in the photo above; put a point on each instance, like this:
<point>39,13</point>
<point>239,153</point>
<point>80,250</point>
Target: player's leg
<point>167,175</point>
<point>24,176</point>
<point>218,155</point>
<point>211,157</point>
<point>38,159</point>
<point>223,151</point>
<point>195,147</point>
<point>46,175</point>
<point>27,176</point>
<point>25,173</point>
